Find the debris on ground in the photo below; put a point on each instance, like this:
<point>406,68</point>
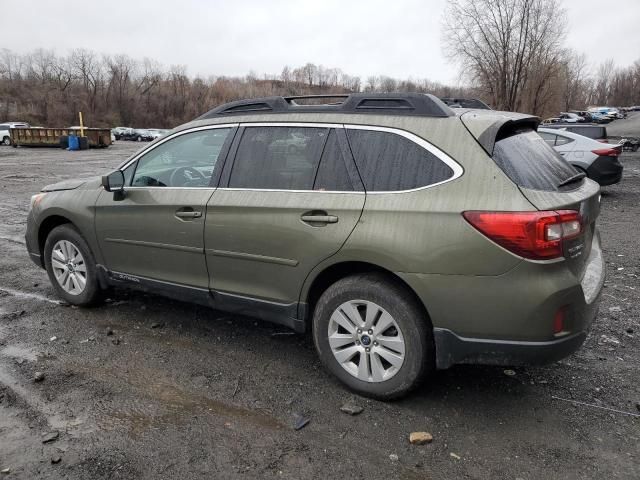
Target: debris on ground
<point>38,376</point>
<point>50,436</point>
<point>109,331</point>
<point>393,457</point>
<point>609,339</point>
<point>53,339</point>
<point>157,325</point>
<point>55,460</point>
<point>300,421</point>
<point>585,404</point>
<point>420,438</point>
<point>510,373</point>
<point>5,471</point>
<point>455,455</point>
<point>351,408</point>
<point>615,309</point>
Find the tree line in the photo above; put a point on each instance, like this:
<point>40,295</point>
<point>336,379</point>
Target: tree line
<point>46,89</point>
<point>511,54</point>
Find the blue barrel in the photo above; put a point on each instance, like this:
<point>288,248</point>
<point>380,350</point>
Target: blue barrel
<point>74,143</point>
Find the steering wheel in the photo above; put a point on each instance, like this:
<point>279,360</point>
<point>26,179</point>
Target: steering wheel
<point>188,174</point>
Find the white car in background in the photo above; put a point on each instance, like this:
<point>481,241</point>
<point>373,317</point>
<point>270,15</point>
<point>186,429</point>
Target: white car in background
<point>157,132</point>
<point>599,161</point>
<point>5,134</point>
<point>567,117</point>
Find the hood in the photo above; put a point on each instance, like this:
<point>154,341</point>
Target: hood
<point>489,126</point>
<point>72,184</point>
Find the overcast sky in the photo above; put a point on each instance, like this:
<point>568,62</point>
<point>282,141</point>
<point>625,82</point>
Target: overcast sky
<point>398,38</point>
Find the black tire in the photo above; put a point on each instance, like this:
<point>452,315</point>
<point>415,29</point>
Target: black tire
<point>416,329</point>
<point>6,141</point>
<point>92,293</point>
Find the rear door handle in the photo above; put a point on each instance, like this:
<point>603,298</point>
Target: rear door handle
<point>188,214</point>
<point>319,218</point>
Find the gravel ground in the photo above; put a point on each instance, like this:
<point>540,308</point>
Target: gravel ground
<point>145,387</point>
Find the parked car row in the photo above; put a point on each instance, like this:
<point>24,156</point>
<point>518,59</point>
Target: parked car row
<point>593,115</point>
<point>138,134</point>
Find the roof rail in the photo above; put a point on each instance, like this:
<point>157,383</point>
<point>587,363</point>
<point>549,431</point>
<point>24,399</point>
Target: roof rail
<point>417,104</point>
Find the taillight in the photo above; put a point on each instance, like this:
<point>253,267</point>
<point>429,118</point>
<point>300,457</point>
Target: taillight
<point>533,235</point>
<point>606,152</point>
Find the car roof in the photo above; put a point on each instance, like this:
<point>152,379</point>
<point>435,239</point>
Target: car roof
<point>409,104</point>
<point>572,135</point>
<point>574,125</point>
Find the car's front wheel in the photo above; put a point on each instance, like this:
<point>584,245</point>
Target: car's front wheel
<point>372,334</point>
<point>6,141</point>
<point>71,267</point>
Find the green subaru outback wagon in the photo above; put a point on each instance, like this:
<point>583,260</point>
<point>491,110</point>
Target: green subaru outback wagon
<point>404,235</point>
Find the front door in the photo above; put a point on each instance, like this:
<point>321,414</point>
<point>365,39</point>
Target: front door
<point>290,200</point>
<point>155,230</point>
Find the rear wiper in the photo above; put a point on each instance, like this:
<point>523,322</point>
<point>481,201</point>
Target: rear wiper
<point>573,178</point>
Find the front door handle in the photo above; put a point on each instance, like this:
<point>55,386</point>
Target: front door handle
<point>188,214</point>
<point>318,217</point>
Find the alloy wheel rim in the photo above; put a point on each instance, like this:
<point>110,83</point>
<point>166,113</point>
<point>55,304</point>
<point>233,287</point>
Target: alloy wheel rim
<point>366,341</point>
<point>69,267</point>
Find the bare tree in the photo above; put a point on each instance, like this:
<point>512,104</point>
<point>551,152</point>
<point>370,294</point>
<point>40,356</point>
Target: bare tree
<point>498,43</point>
<point>604,79</point>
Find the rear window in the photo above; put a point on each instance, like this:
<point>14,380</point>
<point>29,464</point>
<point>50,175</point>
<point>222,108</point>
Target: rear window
<point>531,163</point>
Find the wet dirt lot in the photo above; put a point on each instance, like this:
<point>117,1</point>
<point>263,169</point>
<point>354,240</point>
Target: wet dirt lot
<point>144,387</point>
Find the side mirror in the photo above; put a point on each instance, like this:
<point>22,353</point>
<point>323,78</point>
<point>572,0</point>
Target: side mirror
<point>114,182</point>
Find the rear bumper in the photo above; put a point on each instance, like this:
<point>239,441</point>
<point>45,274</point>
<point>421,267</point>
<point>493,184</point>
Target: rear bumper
<point>605,170</point>
<point>452,349</point>
<point>508,319</point>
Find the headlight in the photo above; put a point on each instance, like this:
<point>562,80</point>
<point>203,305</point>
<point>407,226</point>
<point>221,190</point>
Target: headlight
<point>35,199</point>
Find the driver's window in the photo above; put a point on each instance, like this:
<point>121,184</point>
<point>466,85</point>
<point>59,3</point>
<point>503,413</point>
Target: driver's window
<point>184,161</point>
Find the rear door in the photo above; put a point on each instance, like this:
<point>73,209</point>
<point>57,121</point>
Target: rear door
<point>289,199</point>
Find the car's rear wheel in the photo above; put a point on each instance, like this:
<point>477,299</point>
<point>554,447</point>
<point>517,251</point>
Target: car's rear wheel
<point>372,334</point>
<point>71,267</point>
<point>6,141</point>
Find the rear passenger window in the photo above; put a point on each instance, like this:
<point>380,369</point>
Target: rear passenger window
<point>278,158</point>
<point>560,140</point>
<point>549,138</point>
<point>332,172</point>
<point>389,162</point>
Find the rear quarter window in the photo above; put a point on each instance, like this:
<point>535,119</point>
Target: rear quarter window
<point>390,162</point>
<point>530,162</point>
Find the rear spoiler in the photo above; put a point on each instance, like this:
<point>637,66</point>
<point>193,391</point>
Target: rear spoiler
<point>489,127</point>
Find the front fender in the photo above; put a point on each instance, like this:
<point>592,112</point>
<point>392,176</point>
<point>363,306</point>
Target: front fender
<point>75,206</point>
